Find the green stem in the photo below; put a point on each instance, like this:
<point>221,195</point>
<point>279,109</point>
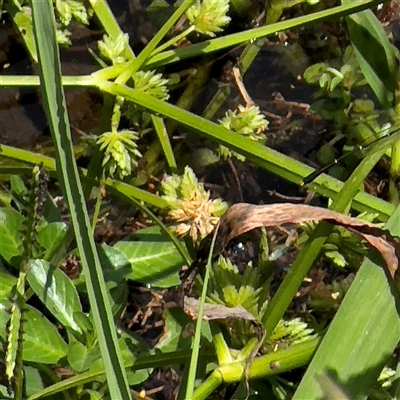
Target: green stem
<point>221,348</point>
<point>264,157</point>
<point>394,174</point>
<point>97,208</point>
<point>307,256</point>
<point>185,102</point>
<point>118,187</point>
<point>33,81</point>
<point>229,41</point>
<point>174,40</point>
<point>208,386</point>
<point>197,336</point>
<point>285,360</point>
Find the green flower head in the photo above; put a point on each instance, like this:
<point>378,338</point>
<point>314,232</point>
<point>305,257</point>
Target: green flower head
<point>209,16</point>
<point>120,151</point>
<point>113,49</point>
<point>152,84</point>
<point>247,121</point>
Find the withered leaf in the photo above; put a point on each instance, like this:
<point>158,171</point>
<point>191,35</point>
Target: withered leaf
<point>242,217</point>
<point>214,311</point>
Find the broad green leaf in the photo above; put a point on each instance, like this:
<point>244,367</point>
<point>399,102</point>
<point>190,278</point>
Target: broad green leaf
<point>56,291</point>
<point>50,236</point>
<point>376,55</point>
<point>155,263</point>
<point>7,282</point>
<point>17,185</point>
<point>150,234</point>
<point>10,237</point>
<point>42,343</point>
<point>116,269</point>
<point>36,379</point>
<point>360,339</point>
<point>83,321</point>
<point>80,357</point>
<point>115,265</point>
<point>132,346</point>
<point>366,328</point>
<point>174,320</point>
<point>33,380</point>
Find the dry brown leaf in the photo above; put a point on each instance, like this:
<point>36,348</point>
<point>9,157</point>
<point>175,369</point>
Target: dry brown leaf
<point>242,217</point>
<point>214,311</point>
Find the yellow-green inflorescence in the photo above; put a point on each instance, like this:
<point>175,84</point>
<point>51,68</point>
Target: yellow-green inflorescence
<point>191,210</point>
<point>247,121</point>
<point>120,152</point>
<point>208,16</point>
<point>113,48</point>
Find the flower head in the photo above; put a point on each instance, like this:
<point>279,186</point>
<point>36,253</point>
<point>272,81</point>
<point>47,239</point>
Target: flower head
<point>113,49</point>
<point>247,121</point>
<point>190,207</point>
<point>208,16</point>
<point>152,84</point>
<point>120,151</point>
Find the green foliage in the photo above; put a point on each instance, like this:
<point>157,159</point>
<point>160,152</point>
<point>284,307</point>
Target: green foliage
<point>53,325</point>
<point>342,247</point>
<point>249,290</point>
<point>334,97</point>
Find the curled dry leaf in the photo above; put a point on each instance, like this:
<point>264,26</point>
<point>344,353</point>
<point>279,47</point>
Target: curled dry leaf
<point>242,217</point>
<point>214,311</point>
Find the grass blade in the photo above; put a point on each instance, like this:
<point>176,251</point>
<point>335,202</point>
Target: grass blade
<point>305,259</point>
<point>361,337</point>
<point>269,159</point>
<point>363,334</point>
<point>228,41</point>
<point>54,103</point>
<point>375,54</point>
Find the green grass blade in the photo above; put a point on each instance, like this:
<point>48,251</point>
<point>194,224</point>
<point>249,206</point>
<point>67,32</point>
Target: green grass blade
<point>376,55</point>
<point>228,41</point>
<point>361,337</point>
<point>120,188</point>
<point>363,334</point>
<point>307,256</point>
<point>162,134</point>
<point>145,54</point>
<point>197,335</point>
<point>54,103</point>
<point>271,160</point>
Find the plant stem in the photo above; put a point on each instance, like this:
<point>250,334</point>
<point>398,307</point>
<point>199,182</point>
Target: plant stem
<point>174,40</point>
